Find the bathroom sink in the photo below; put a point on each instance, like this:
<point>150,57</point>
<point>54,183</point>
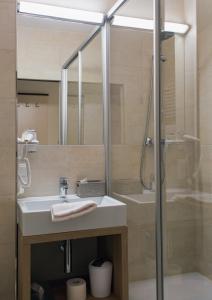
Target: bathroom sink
<point>34,217</point>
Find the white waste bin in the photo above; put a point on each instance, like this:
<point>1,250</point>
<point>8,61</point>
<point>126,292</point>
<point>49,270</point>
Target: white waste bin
<point>100,273</point>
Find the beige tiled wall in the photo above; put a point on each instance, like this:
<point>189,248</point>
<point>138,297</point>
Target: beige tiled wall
<point>180,251</point>
<point>131,64</point>
<point>7,148</point>
<point>205,129</point>
<point>73,162</point>
<point>205,92</point>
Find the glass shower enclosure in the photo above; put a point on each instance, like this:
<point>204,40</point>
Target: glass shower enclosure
<point>154,122</point>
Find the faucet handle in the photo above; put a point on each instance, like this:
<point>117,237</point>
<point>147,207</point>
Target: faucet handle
<point>63,187</point>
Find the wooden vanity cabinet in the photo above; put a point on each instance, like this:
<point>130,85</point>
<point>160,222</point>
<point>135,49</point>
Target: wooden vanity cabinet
<point>112,243</point>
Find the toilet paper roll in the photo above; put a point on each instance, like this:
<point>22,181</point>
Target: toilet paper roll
<point>76,289</point>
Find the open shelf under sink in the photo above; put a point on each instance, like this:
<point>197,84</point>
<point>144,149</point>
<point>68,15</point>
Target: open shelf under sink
<point>60,294</point>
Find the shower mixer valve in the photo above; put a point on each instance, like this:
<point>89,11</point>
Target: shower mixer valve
<point>149,141</point>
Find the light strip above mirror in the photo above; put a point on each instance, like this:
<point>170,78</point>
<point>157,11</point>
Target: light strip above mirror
<point>59,12</point>
<point>96,18</point>
<point>148,24</point>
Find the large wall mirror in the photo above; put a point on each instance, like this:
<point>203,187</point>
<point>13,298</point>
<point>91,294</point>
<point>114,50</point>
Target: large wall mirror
<point>84,96</point>
<point>43,47</point>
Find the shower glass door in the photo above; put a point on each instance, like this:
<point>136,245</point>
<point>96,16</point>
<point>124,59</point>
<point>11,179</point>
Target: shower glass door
<point>186,147</point>
<point>132,136</point>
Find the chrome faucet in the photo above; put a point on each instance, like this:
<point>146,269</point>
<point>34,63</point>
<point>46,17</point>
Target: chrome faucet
<point>63,187</point>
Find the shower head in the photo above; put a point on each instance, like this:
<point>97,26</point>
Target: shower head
<point>165,35</point>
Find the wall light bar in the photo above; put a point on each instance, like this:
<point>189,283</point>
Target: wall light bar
<point>148,24</point>
<point>59,12</point>
<point>177,27</point>
<point>96,18</point>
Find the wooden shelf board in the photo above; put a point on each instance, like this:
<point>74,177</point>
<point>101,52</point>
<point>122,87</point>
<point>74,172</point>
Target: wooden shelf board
<point>60,294</point>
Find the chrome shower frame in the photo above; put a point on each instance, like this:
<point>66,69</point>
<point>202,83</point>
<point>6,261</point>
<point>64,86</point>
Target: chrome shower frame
<point>106,103</point>
<point>158,12</point>
<point>63,106</point>
<point>105,30</point>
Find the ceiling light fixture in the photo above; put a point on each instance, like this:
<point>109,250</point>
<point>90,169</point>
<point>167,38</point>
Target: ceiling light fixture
<point>96,18</point>
<point>75,15</point>
<point>148,24</point>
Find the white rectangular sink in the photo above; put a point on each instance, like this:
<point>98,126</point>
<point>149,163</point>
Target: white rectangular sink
<point>34,216</point>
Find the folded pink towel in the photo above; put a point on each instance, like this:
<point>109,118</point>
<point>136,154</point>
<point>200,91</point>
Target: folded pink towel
<point>70,210</point>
